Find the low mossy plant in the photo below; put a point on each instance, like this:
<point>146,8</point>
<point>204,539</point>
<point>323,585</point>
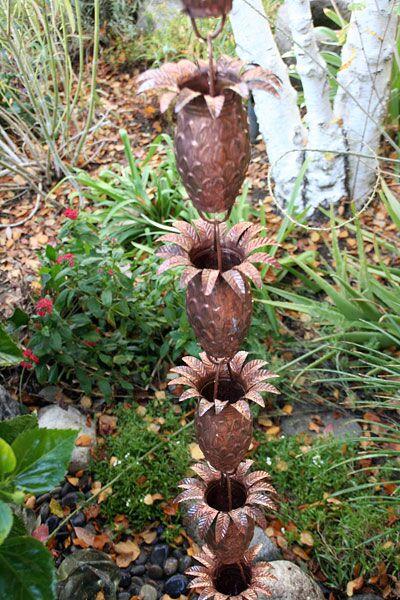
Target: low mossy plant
<point>145,491</point>
<point>352,532</point>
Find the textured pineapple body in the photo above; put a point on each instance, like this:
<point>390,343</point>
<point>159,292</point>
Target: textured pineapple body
<point>220,320</point>
<point>224,438</point>
<point>207,8</point>
<point>235,543</point>
<point>213,154</point>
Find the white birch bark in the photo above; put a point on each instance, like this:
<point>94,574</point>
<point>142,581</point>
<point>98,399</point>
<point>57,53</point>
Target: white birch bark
<point>325,178</point>
<point>363,92</point>
<point>279,118</point>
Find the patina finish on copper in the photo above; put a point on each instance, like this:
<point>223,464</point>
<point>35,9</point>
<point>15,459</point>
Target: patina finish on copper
<point>222,319</point>
<point>207,8</point>
<point>224,438</point>
<point>212,154</point>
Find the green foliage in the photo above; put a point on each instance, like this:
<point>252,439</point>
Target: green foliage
<point>117,18</point>
<point>136,202</point>
<point>158,473</point>
<point>32,460</point>
<point>113,320</point>
<point>45,111</point>
<point>346,532</point>
<point>10,353</point>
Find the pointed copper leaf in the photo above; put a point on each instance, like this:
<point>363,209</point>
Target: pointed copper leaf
<point>185,96</point>
<point>180,239</point>
<point>180,381</point>
<point>174,261</point>
<point>188,275</point>
<point>195,364</point>
<point>221,526</point>
<point>192,494</point>
<point>256,476</point>
<point>166,99</point>
<point>248,270</point>
<point>235,280</point>
<point>208,280</point>
<point>205,520</point>
<point>215,104</point>
<point>205,471</point>
<point>219,405</point>
<point>243,468</point>
<point>243,408</point>
<point>186,229</point>
<point>237,231</point>
<point>236,363</point>
<point>240,88</point>
<point>239,517</point>
<point>263,257</point>
<point>186,372</point>
<point>204,406</point>
<point>252,365</point>
<point>190,393</point>
<point>255,397</point>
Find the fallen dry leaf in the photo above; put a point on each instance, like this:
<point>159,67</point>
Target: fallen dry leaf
<point>127,552</point>
<point>354,585</point>
<point>107,424</point>
<point>195,451</point>
<point>306,539</point>
<point>55,508</point>
<point>84,440</point>
<point>84,537</point>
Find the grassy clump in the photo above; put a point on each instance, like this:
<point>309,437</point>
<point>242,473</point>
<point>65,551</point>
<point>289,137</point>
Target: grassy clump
<point>352,532</point>
<point>137,434</point>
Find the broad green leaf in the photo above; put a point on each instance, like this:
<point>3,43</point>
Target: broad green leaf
<point>26,570</point>
<point>106,297</point>
<point>42,458</point>
<point>6,521</point>
<point>19,318</point>
<point>10,353</point>
<point>11,428</point>
<point>7,458</point>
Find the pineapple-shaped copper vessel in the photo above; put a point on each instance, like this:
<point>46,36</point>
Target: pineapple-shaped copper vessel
<point>223,423</point>
<point>212,144</point>
<point>207,8</point>
<point>226,507</point>
<point>218,298</point>
<point>212,153</point>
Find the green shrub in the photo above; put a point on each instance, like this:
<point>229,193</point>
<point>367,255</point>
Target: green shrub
<point>32,460</point>
<point>347,530</point>
<point>105,319</point>
<point>137,434</point>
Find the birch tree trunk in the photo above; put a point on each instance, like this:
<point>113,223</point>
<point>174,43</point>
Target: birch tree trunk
<point>364,83</point>
<point>279,118</point>
<point>359,109</point>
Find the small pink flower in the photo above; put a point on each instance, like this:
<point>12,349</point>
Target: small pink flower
<point>26,365</point>
<point>110,272</point>
<point>69,258</point>
<point>31,356</point>
<point>44,306</point>
<point>71,213</point>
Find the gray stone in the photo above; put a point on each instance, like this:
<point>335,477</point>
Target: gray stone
<point>171,566</point>
<point>176,585</point>
<point>269,550</point>
<point>337,424</point>
<point>9,408</point>
<point>148,592</point>
<point>55,417</point>
<point>155,571</point>
<point>159,554</point>
<point>291,583</point>
<point>282,31</point>
<point>164,10</point>
<point>86,573</point>
<point>185,563</point>
<point>367,597</point>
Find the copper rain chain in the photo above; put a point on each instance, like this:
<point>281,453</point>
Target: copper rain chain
<point>212,151</point>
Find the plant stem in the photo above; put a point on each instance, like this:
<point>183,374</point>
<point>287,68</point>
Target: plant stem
<point>211,65</point>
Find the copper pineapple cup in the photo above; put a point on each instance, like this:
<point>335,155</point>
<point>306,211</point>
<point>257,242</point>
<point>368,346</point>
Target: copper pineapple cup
<point>207,8</point>
<point>212,154</point>
<point>226,507</point>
